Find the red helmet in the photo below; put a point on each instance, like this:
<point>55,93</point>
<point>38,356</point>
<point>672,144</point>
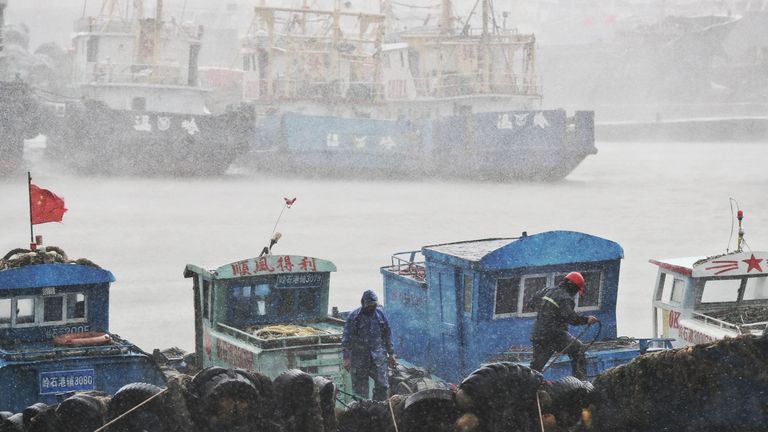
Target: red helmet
<point>577,279</point>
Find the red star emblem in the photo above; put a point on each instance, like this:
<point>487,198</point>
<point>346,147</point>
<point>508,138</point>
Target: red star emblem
<point>753,263</point>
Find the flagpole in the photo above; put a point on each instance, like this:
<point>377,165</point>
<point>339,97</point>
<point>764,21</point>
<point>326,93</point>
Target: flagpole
<point>29,194</point>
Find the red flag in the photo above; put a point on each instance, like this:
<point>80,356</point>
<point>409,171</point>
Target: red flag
<point>289,202</point>
<point>45,206</point>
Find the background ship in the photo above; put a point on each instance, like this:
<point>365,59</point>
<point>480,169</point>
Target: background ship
<point>343,92</point>
<point>141,108</point>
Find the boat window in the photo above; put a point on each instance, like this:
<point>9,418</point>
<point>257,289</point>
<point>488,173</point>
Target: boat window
<point>531,285</point>
<point>139,104</point>
<point>385,61</point>
<point>92,49</point>
<point>25,311</point>
<point>307,300</point>
<point>723,290</point>
<point>507,290</point>
<point>678,288</point>
<point>206,298</point>
<point>468,294</point>
<point>593,287</point>
<point>756,289</point>
<point>53,309</point>
<point>75,306</point>
<point>284,301</point>
<point>665,288</point>
<point>5,312</point>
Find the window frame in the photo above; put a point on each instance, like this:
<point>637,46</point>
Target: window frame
<point>551,278</point>
<point>15,315</point>
<point>63,319</point>
<point>10,311</point>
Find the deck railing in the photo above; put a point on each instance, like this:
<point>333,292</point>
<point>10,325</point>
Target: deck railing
<point>282,342</point>
<point>405,264</point>
<point>118,346</point>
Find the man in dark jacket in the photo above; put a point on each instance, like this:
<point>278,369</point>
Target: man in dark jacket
<point>367,344</point>
<point>550,330</point>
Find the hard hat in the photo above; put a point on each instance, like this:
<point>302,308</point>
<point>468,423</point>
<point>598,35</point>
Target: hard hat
<point>577,279</point>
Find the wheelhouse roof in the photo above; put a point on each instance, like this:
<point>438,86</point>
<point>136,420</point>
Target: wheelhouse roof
<point>48,275</point>
<point>683,266</point>
<point>547,248</point>
<point>732,264</point>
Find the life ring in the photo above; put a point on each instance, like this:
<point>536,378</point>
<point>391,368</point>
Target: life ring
<point>82,339</point>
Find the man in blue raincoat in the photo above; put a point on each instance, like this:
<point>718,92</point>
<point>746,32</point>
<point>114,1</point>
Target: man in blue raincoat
<point>367,344</point>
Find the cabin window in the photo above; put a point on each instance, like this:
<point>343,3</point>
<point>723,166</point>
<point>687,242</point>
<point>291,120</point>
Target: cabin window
<point>507,290</point>
<point>678,288</point>
<point>25,311</point>
<point>531,285</point>
<point>402,60</point>
<point>722,290</point>
<point>593,287</point>
<point>467,294</point>
<point>5,312</point>
<point>385,61</point>
<point>75,306</point>
<point>206,299</point>
<point>53,309</point>
<point>92,49</point>
<point>139,104</point>
<point>307,300</point>
<point>284,301</point>
<point>756,289</point>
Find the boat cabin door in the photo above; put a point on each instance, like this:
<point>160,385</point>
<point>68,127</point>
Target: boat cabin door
<point>203,305</point>
<point>451,343</point>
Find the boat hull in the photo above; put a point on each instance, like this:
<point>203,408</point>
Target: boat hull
<point>511,145</point>
<point>91,137</point>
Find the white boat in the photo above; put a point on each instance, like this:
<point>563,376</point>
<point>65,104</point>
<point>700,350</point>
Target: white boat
<point>142,110</point>
<point>707,298</point>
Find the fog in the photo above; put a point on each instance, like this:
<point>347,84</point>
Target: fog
<point>658,197</point>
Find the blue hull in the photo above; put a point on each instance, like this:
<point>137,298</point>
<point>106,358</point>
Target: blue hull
<point>533,145</point>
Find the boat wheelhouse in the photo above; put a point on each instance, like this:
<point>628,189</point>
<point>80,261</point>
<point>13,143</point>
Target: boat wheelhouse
<point>268,314</point>
<point>455,306</point>
<point>704,299</point>
<point>54,331</point>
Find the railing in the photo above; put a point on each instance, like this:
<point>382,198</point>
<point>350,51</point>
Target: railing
<point>716,322</point>
<point>118,346</point>
<point>137,74</point>
<point>453,85</point>
<point>283,88</point>
<point>283,342</point>
<point>408,267</point>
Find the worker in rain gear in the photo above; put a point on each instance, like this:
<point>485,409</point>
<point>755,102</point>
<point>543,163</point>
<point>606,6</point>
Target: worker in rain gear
<point>555,307</point>
<point>367,345</point>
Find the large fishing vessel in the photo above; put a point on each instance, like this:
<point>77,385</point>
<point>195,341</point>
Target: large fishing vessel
<point>142,110</point>
<point>344,92</point>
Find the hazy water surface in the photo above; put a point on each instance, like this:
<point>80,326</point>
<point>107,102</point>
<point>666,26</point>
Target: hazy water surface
<point>657,200</point>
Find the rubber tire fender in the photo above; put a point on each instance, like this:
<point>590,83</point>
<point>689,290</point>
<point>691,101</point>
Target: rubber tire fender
<point>32,411</point>
<point>81,412</point>
<point>15,251</point>
<point>426,409</point>
<point>13,423</point>
<point>149,417</point>
<point>569,391</point>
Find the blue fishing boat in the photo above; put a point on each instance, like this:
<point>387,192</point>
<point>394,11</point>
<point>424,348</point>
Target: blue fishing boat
<point>455,306</point>
<point>54,331</point>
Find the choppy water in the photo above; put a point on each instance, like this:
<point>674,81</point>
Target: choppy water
<point>655,199</point>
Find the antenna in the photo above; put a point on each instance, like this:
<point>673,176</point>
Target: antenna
<point>739,215</point>
<point>275,236</point>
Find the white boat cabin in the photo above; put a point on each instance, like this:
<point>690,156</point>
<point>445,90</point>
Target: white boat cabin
<point>703,299</point>
<point>137,63</point>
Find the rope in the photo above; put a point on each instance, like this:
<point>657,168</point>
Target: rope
<point>551,360</point>
<point>392,413</point>
<point>114,420</point>
<point>538,405</point>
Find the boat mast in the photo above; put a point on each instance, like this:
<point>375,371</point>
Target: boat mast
<point>446,17</point>
<point>3,4</point>
<point>485,59</point>
<point>157,37</point>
